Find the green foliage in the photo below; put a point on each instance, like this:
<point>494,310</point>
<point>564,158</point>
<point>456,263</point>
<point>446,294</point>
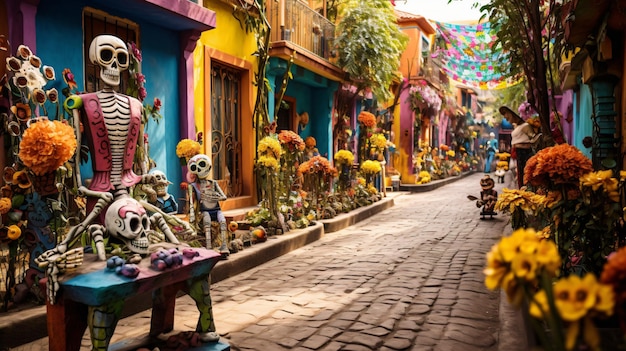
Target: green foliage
<point>369,44</point>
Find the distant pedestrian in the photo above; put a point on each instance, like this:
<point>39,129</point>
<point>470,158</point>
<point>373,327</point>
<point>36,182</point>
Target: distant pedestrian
<point>521,138</point>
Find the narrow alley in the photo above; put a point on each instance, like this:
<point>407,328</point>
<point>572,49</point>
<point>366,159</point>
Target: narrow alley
<point>409,278</point>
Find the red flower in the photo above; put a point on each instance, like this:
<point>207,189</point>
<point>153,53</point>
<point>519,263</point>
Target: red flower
<point>157,104</point>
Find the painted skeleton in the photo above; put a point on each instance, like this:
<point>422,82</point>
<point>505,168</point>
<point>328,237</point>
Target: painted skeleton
<point>207,193</point>
<point>112,123</point>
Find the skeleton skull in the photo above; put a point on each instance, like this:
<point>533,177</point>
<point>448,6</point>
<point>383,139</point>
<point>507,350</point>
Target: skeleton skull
<point>200,165</point>
<point>111,54</point>
<point>161,183</point>
<point>128,221</point>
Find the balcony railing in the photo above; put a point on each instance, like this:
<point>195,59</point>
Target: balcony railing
<point>296,22</point>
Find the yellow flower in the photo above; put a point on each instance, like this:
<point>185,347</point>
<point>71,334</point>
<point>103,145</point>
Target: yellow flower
<point>188,148</point>
<point>270,147</point>
<point>378,141</point>
<point>496,268</point>
<point>370,167</point>
<point>423,177</point>
<point>372,190</point>
<point>268,162</point>
<point>344,157</point>
<point>5,205</point>
<point>513,290</point>
<point>47,145</point>
<point>520,241</point>
<point>525,266</point>
<point>574,296</point>
<point>360,180</point>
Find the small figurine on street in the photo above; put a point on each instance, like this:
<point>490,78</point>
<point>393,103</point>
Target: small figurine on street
<point>204,197</point>
<point>488,197</point>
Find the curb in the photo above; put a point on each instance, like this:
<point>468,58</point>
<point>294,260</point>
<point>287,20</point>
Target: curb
<point>420,188</point>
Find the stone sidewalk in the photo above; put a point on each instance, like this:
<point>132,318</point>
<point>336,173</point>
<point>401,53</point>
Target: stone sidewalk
<point>408,278</point>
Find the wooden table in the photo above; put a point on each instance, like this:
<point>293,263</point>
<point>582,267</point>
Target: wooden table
<point>93,296</point>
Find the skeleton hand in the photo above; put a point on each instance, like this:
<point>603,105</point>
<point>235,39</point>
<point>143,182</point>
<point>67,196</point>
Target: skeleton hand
<point>57,264</point>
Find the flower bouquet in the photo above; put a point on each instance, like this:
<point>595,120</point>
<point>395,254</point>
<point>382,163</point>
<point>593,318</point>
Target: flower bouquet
<point>46,146</point>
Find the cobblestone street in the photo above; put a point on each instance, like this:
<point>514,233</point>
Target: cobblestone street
<point>408,278</point>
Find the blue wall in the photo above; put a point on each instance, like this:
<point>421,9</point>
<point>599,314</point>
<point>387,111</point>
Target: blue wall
<point>583,126</point>
<point>62,48</point>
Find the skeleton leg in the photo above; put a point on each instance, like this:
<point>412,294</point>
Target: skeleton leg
<point>223,234</point>
<point>102,321</point>
<point>206,227</point>
<point>199,290</point>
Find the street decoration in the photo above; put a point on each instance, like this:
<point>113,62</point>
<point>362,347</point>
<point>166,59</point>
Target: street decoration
<point>468,55</point>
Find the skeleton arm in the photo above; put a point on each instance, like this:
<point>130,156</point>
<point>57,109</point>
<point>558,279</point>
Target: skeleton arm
<point>218,193</point>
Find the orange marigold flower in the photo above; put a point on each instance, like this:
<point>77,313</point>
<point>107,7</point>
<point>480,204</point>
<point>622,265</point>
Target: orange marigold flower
<point>291,140</point>
<point>47,145</point>
<point>367,118</point>
<point>560,164</point>
<point>310,142</point>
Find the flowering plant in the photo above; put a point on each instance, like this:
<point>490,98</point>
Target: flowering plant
<point>422,97</point>
<point>46,145</point>
<point>343,158</point>
<point>525,265</point>
<point>367,119</point>
<point>187,148</point>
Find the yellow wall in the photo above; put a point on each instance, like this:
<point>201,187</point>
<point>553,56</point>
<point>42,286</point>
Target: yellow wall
<point>229,44</point>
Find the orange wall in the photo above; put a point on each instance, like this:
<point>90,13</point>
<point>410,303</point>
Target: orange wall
<point>410,60</point>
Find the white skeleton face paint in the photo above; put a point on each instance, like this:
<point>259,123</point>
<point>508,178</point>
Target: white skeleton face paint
<point>200,165</point>
<point>110,53</point>
<point>128,221</point>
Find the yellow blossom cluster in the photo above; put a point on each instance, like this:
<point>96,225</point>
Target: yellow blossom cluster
<point>47,145</point>
<point>450,153</point>
<point>269,147</point>
<point>268,162</point>
<point>576,300</point>
<point>503,156</point>
<point>188,148</point>
<point>423,177</point>
<point>344,158</point>
<point>604,180</point>
<point>370,167</point>
<point>502,165</point>
<point>378,141</point>
<point>291,140</point>
<point>518,259</point>
<point>512,199</point>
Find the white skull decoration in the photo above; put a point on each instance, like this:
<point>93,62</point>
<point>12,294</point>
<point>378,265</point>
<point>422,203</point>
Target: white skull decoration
<point>111,54</point>
<point>200,165</point>
<point>128,221</point>
<point>161,182</point>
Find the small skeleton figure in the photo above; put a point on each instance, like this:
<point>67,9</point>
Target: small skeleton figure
<point>204,197</point>
<point>165,201</point>
<point>488,196</point>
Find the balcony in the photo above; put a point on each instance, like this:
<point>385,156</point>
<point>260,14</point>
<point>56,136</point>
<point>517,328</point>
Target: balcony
<point>296,22</point>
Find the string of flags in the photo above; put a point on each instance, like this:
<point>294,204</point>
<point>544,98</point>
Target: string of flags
<point>468,56</point>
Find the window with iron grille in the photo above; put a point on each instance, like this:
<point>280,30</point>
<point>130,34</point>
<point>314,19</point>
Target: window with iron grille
<point>95,23</point>
<point>226,128</point>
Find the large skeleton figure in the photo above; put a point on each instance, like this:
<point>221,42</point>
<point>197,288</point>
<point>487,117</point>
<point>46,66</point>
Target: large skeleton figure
<point>112,123</point>
<point>204,195</point>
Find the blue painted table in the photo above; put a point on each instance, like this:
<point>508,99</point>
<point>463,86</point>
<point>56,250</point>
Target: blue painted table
<point>93,296</point>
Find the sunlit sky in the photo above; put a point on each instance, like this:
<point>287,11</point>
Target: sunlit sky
<point>457,11</point>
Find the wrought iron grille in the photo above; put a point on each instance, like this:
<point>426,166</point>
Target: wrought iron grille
<point>226,128</point>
